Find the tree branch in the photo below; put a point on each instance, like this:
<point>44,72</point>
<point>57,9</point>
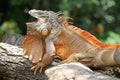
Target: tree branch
<point>14,65</point>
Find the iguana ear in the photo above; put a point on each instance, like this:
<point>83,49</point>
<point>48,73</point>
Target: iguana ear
<point>34,46</point>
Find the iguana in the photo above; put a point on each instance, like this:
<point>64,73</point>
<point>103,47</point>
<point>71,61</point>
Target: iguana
<point>51,35</point>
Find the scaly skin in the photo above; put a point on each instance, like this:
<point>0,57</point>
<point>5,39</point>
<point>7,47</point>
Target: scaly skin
<point>70,43</point>
<point>75,42</point>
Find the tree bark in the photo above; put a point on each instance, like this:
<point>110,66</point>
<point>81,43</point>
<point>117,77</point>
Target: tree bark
<point>14,65</point>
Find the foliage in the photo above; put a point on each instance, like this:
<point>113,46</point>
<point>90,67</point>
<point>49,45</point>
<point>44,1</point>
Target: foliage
<point>112,38</point>
<point>9,27</point>
<point>100,17</point>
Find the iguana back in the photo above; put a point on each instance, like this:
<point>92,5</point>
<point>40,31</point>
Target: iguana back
<point>90,38</point>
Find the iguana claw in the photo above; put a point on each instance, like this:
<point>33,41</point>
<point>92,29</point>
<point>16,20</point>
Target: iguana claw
<point>36,67</point>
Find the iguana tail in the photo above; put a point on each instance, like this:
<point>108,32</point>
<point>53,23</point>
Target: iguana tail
<point>107,57</point>
<point>117,56</point>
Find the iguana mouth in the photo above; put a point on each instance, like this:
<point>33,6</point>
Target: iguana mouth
<point>32,22</point>
<point>35,20</point>
<point>37,17</point>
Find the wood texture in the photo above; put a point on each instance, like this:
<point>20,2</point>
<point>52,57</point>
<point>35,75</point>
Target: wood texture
<point>14,65</point>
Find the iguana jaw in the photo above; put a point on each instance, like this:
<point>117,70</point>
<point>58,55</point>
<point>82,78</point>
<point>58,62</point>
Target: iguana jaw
<point>37,14</point>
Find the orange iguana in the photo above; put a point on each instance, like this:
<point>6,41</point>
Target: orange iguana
<point>52,35</point>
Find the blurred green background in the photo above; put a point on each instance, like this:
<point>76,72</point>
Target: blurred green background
<point>100,17</point>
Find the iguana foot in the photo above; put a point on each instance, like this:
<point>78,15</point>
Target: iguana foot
<point>36,67</point>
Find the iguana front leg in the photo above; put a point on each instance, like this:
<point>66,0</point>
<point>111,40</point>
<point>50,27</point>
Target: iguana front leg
<point>47,58</point>
<point>79,57</point>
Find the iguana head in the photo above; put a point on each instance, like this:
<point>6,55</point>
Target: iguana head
<point>48,22</point>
